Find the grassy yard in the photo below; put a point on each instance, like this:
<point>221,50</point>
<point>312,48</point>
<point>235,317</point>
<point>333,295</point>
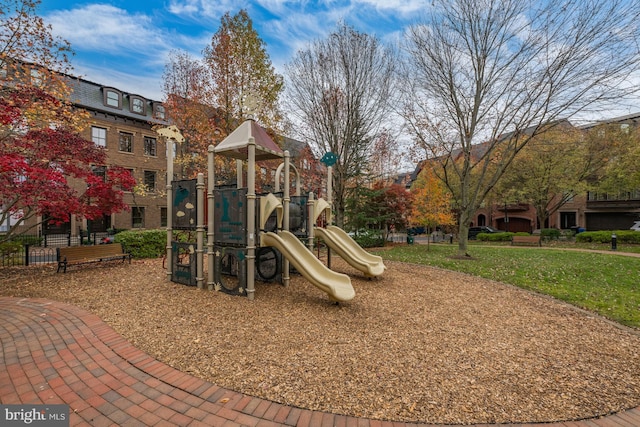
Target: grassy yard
<point>604,283</point>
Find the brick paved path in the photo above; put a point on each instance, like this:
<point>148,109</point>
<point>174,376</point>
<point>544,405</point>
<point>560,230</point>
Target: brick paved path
<point>55,353</point>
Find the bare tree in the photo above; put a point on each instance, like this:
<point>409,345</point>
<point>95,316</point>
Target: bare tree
<point>485,76</point>
<point>339,92</point>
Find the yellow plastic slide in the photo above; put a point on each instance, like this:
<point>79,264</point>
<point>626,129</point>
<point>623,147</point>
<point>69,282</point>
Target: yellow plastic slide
<point>336,285</point>
<point>350,251</point>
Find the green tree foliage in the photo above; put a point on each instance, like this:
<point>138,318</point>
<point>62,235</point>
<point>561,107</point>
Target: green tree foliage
<point>552,168</point>
<point>379,207</point>
<point>620,177</point>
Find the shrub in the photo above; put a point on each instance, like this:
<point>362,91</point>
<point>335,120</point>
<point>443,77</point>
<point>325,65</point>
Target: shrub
<point>143,244</point>
<point>550,233</point>
<point>604,236</point>
<point>495,237</point>
<point>369,238</point>
<point>10,247</point>
<point>25,239</point>
<point>31,240</point>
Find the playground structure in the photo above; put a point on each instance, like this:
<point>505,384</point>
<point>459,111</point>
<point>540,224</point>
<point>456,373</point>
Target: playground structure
<point>249,235</point>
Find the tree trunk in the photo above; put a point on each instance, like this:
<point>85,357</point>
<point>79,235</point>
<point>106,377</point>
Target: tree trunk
<point>463,240</point>
<point>463,232</point>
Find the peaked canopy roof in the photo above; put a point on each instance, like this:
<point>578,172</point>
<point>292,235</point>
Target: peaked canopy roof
<point>236,144</point>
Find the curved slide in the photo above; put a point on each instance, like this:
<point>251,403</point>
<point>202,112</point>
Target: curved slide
<point>349,250</point>
<point>336,285</point>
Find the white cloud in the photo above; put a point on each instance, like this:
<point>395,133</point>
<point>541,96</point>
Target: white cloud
<point>137,44</point>
<point>206,9</point>
<point>399,6</point>
<point>105,28</point>
<point>131,48</point>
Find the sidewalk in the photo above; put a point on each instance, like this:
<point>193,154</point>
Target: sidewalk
<point>55,353</point>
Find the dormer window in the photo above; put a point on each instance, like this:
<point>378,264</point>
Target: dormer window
<point>36,77</point>
<point>159,111</point>
<point>112,98</point>
<point>137,105</point>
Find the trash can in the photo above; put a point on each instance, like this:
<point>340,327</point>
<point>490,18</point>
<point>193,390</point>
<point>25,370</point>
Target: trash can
<point>410,239</point>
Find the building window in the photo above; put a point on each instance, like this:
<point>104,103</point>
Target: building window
<point>150,180</point>
<point>137,105</point>
<point>149,146</point>
<point>36,77</point>
<point>159,111</point>
<point>568,197</point>
<point>126,142</point>
<point>567,220</point>
<point>99,136</point>
<point>163,217</point>
<point>112,98</point>
<point>100,171</point>
<point>137,217</point>
<point>3,69</point>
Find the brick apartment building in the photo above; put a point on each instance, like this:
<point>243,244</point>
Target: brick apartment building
<point>123,123</point>
<point>591,211</point>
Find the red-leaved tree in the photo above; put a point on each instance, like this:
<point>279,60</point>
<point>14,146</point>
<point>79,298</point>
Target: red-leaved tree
<point>49,173</point>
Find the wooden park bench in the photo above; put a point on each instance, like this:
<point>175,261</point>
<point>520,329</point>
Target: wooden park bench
<point>76,255</point>
<point>526,240</point>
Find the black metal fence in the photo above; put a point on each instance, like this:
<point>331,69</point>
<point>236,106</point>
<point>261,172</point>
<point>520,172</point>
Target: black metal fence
<point>41,249</point>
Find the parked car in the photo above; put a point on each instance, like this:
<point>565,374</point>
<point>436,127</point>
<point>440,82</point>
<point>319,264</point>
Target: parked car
<point>414,231</point>
<point>474,231</point>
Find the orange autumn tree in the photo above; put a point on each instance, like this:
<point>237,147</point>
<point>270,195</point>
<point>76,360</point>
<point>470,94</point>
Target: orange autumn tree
<point>243,80</point>
<point>186,88</point>
<point>431,201</point>
<point>209,98</point>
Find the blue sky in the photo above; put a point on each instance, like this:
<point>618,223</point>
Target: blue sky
<point>125,43</point>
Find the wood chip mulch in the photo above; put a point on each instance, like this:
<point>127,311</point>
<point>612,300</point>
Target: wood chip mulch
<point>417,344</point>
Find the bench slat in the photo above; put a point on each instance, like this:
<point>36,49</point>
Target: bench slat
<point>89,254</point>
<point>535,240</point>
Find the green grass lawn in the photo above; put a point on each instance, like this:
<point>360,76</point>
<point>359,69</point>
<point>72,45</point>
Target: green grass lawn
<point>607,284</point>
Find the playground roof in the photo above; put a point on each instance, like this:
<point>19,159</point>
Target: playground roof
<point>236,144</point>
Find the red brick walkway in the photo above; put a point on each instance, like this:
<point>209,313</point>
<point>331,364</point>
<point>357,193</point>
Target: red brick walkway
<point>54,353</point>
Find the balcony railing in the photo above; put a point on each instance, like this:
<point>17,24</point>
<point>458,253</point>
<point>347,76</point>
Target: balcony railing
<point>627,199</point>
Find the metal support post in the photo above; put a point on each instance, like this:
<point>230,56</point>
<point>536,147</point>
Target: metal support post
<point>251,219</point>
<point>200,232</point>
